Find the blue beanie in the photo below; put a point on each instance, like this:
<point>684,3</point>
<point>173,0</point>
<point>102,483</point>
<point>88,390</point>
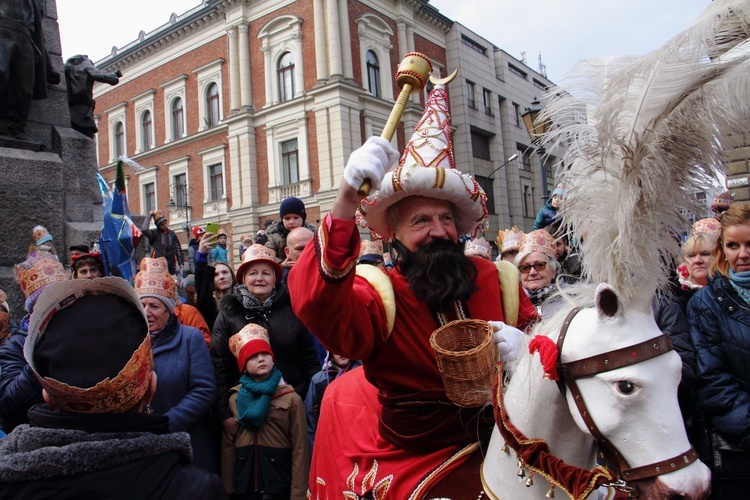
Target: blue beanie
<point>292,205</point>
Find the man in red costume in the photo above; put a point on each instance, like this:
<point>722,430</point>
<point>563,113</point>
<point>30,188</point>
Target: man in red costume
<point>389,430</point>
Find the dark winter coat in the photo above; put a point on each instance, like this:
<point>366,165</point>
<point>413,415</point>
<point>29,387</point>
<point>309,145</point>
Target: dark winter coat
<point>276,238</point>
<point>670,317</point>
<point>292,346</point>
<point>124,456</point>
<point>720,332</point>
<point>546,216</point>
<point>19,387</point>
<point>165,245</point>
<point>275,458</point>
<point>186,389</point>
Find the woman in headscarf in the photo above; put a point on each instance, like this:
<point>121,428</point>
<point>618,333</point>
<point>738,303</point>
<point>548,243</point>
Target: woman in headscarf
<point>259,297</point>
<point>719,323</point>
<point>187,386</point>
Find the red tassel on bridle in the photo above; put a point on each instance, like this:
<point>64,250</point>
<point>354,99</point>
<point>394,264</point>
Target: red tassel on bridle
<point>547,353</point>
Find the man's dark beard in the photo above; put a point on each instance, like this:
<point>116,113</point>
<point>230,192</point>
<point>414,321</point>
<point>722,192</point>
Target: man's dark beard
<point>438,273</point>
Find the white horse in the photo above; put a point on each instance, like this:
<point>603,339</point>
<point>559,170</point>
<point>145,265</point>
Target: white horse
<point>635,407</point>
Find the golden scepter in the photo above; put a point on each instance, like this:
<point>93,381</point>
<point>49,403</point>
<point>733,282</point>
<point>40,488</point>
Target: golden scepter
<point>411,77</point>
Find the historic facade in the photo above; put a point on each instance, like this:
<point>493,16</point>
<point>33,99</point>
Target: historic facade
<point>235,105</point>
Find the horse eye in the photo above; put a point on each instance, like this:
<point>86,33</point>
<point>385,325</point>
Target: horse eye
<point>625,386</point>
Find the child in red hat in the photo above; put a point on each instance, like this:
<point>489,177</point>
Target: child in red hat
<point>271,451</point>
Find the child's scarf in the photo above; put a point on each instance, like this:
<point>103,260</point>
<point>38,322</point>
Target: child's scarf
<point>254,399</point>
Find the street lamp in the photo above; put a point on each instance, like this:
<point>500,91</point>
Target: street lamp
<point>488,178</point>
<point>536,130</point>
<point>184,206</point>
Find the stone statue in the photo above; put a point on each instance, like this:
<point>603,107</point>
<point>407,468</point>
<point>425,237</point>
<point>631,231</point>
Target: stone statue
<point>80,75</point>
<point>25,68</point>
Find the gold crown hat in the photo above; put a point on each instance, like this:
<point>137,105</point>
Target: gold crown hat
<point>427,168</point>
<point>537,241</point>
<point>509,239</point>
<point>708,226</point>
<point>258,253</point>
<point>478,247</point>
<point>722,200</point>
<point>153,280</point>
<point>370,247</point>
<point>251,340</point>
<point>35,273</point>
<point>111,395</point>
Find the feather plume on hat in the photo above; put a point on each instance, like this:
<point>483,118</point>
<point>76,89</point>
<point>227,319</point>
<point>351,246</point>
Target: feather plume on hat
<point>645,134</point>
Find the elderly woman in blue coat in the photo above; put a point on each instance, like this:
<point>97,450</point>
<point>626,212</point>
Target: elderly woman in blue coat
<point>719,317</point>
<point>183,366</point>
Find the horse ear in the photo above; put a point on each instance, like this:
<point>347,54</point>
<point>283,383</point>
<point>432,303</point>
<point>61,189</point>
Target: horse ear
<point>607,300</point>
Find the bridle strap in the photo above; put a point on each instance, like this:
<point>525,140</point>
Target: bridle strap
<point>669,465</point>
<point>619,358</point>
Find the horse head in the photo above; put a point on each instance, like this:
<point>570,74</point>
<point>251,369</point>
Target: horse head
<point>627,378</point>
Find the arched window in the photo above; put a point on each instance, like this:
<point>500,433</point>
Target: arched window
<point>286,77</point>
<point>373,73</point>
<point>146,130</point>
<point>119,140</point>
<point>212,105</point>
<point>178,119</point>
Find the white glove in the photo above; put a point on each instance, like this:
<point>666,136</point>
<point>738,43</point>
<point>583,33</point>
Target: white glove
<point>371,161</point>
<point>508,340</point>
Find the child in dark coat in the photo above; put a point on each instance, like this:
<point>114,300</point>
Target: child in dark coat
<point>272,457</point>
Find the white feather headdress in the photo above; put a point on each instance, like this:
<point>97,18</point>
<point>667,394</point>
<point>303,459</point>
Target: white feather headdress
<point>644,135</point>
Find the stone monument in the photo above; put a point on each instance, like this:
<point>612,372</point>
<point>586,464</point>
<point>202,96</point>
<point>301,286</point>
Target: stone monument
<point>52,182</point>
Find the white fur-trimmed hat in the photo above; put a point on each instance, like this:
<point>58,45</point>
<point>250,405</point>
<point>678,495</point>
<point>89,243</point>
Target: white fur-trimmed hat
<point>427,168</point>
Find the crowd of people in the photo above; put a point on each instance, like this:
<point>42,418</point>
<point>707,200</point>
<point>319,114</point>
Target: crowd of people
<point>308,367</point>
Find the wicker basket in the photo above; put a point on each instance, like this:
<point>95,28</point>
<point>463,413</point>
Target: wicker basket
<point>466,356</point>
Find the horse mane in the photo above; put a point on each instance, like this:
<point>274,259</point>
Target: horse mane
<point>643,135</point>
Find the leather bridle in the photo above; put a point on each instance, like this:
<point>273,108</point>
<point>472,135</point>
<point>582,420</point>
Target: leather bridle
<point>618,358</point>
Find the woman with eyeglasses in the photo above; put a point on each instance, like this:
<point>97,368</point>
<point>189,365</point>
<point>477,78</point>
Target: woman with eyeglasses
<point>538,267</point>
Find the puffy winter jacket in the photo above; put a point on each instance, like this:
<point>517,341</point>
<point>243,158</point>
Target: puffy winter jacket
<point>19,387</point>
<point>546,216</point>
<point>276,238</point>
<point>720,332</point>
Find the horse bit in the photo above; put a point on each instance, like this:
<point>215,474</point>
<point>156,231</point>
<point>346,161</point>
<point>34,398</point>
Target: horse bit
<point>604,362</point>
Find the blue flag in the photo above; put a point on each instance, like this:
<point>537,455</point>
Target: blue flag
<point>120,237</point>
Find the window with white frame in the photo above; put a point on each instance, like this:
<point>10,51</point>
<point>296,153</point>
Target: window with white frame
<point>147,130</point>
<point>215,182</point>
<point>281,44</point>
<point>149,197</point>
<point>174,107</point>
<point>144,126</point>
<point>375,45</point>
<point>117,131</point>
<point>290,162</point>
<point>209,90</point>
<point>212,105</point>
<point>285,70</point>
<point>373,73</point>
<point>119,140</point>
<point>178,119</point>
<point>180,187</point>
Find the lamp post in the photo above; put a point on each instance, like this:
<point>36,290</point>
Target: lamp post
<point>183,205</point>
<point>536,130</point>
<point>488,178</point>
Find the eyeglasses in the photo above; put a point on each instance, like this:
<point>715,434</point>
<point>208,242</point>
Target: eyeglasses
<point>526,268</point>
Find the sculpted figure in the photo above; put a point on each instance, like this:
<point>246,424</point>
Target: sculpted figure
<point>25,68</point>
<point>80,75</point>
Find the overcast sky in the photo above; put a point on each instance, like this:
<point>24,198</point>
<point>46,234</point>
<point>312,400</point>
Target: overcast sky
<point>563,31</point>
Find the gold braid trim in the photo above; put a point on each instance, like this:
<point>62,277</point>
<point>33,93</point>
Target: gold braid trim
<point>425,483</point>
